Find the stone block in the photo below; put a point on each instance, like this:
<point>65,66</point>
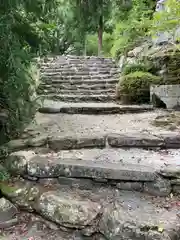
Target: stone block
<point>46,168</point>
<point>168,94</point>
<point>171,171</point>
<point>134,140</point>
<point>16,162</point>
<point>130,186</point>
<point>68,210</point>
<point>160,187</point>
<point>66,143</point>
<point>176,189</point>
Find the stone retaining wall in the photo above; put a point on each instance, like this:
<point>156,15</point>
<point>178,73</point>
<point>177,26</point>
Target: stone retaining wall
<point>169,94</point>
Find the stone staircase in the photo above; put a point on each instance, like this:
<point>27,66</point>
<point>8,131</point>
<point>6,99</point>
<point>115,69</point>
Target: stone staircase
<point>79,79</point>
<point>93,171</point>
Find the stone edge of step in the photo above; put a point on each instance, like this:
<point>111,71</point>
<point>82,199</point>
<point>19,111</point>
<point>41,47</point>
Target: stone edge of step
<point>87,174</point>
<point>118,140</point>
<point>94,109</point>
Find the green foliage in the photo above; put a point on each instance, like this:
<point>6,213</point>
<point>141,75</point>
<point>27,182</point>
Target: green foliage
<point>21,38</point>
<point>136,67</point>
<point>130,31</point>
<point>168,19</point>
<point>92,44</point>
<point>135,87</point>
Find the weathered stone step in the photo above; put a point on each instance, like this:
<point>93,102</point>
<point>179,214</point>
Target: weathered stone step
<point>99,140</point>
<point>53,90</point>
<point>79,73</point>
<point>67,164</point>
<point>80,81</point>
<point>69,86</point>
<point>135,169</point>
<point>79,67</point>
<point>103,214</point>
<point>80,61</point>
<point>88,169</point>
<point>80,98</point>
<point>82,78</point>
<point>91,108</point>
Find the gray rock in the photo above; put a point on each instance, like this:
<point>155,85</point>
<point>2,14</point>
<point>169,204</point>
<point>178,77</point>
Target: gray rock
<point>130,186</point>
<point>46,168</point>
<point>67,210</point>
<point>176,189</point>
<point>134,140</point>
<point>22,193</point>
<point>175,181</point>
<point>160,187</point>
<point>135,52</point>
<point>16,162</point>
<point>171,171</point>
<point>8,214</point>
<point>66,143</point>
<point>38,141</point>
<point>17,145</point>
<point>135,219</point>
<point>172,140</point>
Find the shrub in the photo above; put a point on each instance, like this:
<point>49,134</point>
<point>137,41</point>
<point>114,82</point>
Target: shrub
<point>136,67</point>
<point>135,87</point>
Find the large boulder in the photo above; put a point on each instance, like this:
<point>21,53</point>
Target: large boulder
<point>67,210</point>
<point>136,219</point>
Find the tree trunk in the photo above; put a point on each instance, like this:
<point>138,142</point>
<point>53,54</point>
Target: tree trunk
<point>100,35</point>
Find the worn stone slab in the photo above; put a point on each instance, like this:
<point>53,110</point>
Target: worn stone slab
<point>91,108</point>
<point>44,167</point>
<point>155,159</point>
<point>65,143</point>
<point>134,140</point>
<point>136,218</point>
<point>66,210</point>
<point>81,98</point>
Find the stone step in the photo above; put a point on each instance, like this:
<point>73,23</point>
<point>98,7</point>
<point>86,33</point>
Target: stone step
<point>79,61</point>
<point>80,98</point>
<point>79,67</point>
<point>102,214</point>
<point>91,108</point>
<point>75,92</point>
<point>135,169</point>
<point>84,82</point>
<point>79,77</point>
<point>69,86</point>
<point>58,72</point>
<point>91,138</point>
